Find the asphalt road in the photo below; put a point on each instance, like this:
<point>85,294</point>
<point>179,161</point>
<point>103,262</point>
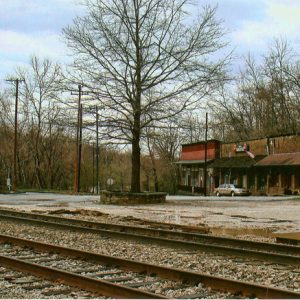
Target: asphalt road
<point>43,198</point>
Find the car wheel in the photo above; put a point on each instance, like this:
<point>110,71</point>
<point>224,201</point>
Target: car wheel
<point>232,194</point>
<point>218,194</point>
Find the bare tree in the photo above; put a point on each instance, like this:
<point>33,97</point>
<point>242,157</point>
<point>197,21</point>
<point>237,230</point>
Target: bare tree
<point>279,68</point>
<point>163,149</point>
<point>6,136</point>
<point>146,62</point>
<point>40,115</point>
<point>191,126</point>
<point>264,99</point>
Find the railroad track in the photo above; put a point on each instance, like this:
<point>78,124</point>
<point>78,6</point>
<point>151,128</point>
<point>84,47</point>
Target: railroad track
<point>116,277</point>
<point>276,253</point>
<point>15,285</point>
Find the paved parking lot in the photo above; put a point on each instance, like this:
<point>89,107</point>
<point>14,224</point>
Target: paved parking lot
<point>37,198</point>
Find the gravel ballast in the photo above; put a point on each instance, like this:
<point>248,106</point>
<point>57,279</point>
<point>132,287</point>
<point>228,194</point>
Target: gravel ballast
<point>276,275</point>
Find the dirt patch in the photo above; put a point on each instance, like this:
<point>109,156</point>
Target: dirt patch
<point>82,212</point>
<point>243,231</point>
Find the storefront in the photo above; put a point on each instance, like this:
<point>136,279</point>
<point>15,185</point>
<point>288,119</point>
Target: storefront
<point>265,166</point>
<point>237,170</point>
<point>192,165</point>
<point>279,174</point>
<point>191,176</point>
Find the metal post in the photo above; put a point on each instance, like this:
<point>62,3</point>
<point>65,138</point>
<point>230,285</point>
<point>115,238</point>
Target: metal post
<point>205,157</point>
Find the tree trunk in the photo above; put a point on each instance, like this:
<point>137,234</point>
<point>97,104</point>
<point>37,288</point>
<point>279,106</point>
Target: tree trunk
<point>136,132</point>
<point>136,161</point>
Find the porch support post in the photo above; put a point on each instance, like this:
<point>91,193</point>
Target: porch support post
<point>280,180</point>
<point>293,181</point>
<point>255,185</point>
<point>268,183</point>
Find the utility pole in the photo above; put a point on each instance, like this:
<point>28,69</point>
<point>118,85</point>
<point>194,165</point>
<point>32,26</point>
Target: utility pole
<point>15,180</point>
<point>78,140</point>
<point>93,168</point>
<point>205,156</point>
<point>79,148</point>
<point>97,151</point>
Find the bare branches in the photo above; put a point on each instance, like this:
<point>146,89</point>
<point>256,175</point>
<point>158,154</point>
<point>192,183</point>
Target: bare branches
<point>265,100</point>
<point>118,39</point>
<point>145,63</point>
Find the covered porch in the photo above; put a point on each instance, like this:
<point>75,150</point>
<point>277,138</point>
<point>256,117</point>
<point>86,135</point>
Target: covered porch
<point>191,176</point>
<point>279,174</point>
<point>236,170</point>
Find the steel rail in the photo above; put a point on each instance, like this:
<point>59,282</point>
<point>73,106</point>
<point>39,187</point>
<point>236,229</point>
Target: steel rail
<point>100,287</point>
<point>175,243</point>
<point>194,237</point>
<point>137,229</point>
<point>215,282</point>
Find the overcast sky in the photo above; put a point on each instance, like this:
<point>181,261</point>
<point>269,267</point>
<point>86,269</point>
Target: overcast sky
<point>33,27</point>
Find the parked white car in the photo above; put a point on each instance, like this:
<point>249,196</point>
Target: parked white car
<point>231,190</point>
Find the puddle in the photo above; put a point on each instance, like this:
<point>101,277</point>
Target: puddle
<point>281,221</point>
<point>54,205</point>
<point>37,200</point>
<point>240,216</point>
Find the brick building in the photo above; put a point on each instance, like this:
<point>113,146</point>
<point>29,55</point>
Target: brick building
<point>192,163</point>
<point>268,165</point>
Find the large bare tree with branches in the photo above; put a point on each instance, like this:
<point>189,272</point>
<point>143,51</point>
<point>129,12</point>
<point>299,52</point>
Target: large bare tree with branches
<point>146,61</point>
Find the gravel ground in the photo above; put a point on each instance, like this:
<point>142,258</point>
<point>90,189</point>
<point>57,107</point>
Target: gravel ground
<point>262,215</point>
<point>250,218</point>
<point>257,220</point>
<point>230,267</point>
<point>169,288</point>
<point>17,285</point>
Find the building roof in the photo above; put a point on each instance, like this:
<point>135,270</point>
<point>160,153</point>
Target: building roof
<point>235,162</point>
<point>283,159</point>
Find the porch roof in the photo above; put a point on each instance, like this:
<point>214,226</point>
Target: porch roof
<point>283,159</point>
<point>235,162</point>
<point>193,162</point>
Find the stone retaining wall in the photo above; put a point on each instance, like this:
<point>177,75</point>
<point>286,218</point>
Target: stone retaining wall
<point>125,198</point>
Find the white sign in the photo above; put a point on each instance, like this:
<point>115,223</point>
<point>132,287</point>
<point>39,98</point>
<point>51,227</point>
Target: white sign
<point>110,181</point>
<point>8,183</point>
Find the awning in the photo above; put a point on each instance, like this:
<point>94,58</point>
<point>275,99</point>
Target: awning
<point>235,162</point>
<point>283,159</point>
<point>192,162</point>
